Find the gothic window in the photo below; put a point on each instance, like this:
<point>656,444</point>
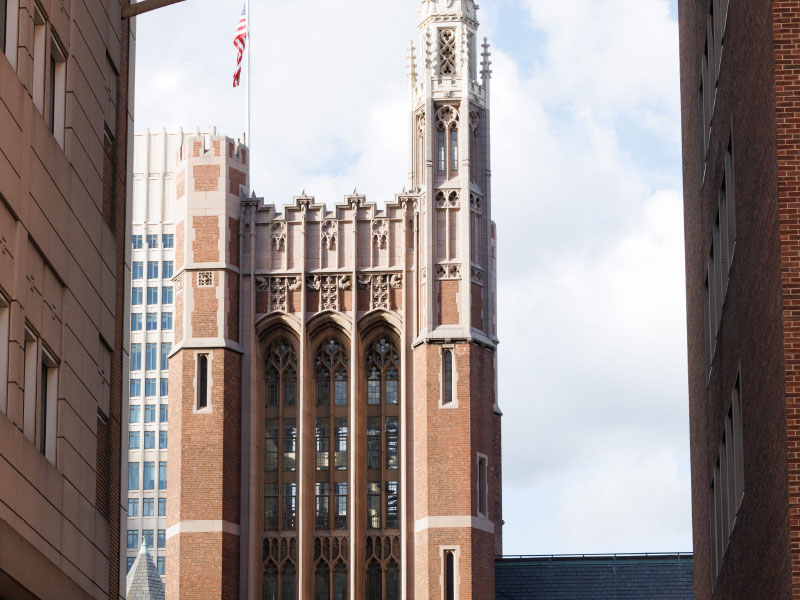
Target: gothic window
<point>271,582</point>
<point>447,51</point>
<point>448,377</point>
<point>331,372</point>
<point>330,583</point>
<point>441,150</point>
<point>382,554</point>
<point>280,574</point>
<point>449,574</point>
<point>447,125</point>
<point>202,381</point>
<point>280,441</point>
<point>453,149</point>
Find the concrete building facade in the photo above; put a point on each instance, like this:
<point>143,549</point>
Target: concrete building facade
<point>334,429</point>
<point>65,111</point>
<point>740,159</point>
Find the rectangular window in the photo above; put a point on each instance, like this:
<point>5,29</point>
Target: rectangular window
<point>152,269</point>
<point>48,399</point>
<point>149,413</point>
<point>323,444</point>
<point>136,357</point>
<point>454,149</point>
<point>137,271</point>
<point>136,241</point>
<point>166,348</point>
<point>150,363</point>
<point>150,387</point>
<point>163,410</point>
<point>152,240</point>
<point>202,381</point>
<point>340,444</point>
<point>3,15</point>
<point>483,493</point>
<point>161,565</point>
<point>162,475</point>
<point>147,507</point>
<point>149,439</point>
<point>270,506</point>
<point>133,440</point>
<point>340,505</point>
<point>374,388</point>
<point>162,507</point>
<point>136,321</point>
<point>392,488</point>
<point>152,295</point>
<point>289,445</point>
<point>161,541</point>
<point>136,296</point>
<point>39,59</point>
<point>373,505</point>
<point>323,500</point>
<point>271,446</point>
<point>166,294</point>
<point>162,440</point>
<point>147,537</point>
<point>450,574</point>
<point>374,443</point>
<point>164,388</point>
<point>289,505</point>
<point>133,539</point>
<point>166,321</point>
<point>29,399</point>
<point>391,389</point>
<point>168,240</point>
<point>136,388</point>
<point>131,560</point>
<point>57,89</point>
<point>442,151</point>
<point>167,270</point>
<point>149,476</point>
<point>135,413</point>
<point>448,376</point>
<point>392,456</point>
<point>730,193</point>
<point>340,390</point>
<point>133,475</point>
<point>152,321</point>
<point>133,507</point>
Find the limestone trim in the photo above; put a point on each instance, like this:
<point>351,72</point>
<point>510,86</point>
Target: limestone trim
<point>453,522</point>
<point>379,285</point>
<point>454,401</point>
<point>215,526</point>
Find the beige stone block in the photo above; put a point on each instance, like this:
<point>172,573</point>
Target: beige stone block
<point>101,533</point>
<point>86,210</point>
<point>69,424</point>
<point>86,522</point>
<point>8,483</point>
<point>88,446</point>
<point>51,525</point>
<point>88,172</point>
<point>69,463</point>
<point>90,70</point>
<point>70,503</point>
<point>53,486</point>
<point>69,541</point>
<point>32,465</point>
<point>101,573</point>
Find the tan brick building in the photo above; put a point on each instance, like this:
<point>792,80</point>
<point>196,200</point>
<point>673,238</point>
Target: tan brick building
<point>333,419</point>
<point>64,121</point>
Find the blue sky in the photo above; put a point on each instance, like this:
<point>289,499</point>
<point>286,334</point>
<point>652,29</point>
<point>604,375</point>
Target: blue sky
<point>586,196</point>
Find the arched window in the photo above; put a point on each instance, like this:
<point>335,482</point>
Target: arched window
<point>374,581</point>
<point>280,438</point>
<point>453,148</point>
<point>392,582</point>
<point>322,582</point>
<point>202,381</point>
<point>331,372</point>
<point>448,377</point>
<point>289,586</point>
<point>340,581</point>
<point>271,582</point>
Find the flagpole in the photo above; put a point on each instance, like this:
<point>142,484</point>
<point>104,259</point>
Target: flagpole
<point>249,41</point>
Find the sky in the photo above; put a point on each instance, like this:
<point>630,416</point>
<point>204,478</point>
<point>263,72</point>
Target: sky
<point>586,194</point>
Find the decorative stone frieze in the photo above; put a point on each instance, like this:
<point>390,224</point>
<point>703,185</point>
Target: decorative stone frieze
<point>379,286</point>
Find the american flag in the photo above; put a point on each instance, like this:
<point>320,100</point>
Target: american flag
<point>239,41</point>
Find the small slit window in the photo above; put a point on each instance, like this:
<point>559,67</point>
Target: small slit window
<point>449,574</point>
<point>448,377</point>
<point>202,381</point>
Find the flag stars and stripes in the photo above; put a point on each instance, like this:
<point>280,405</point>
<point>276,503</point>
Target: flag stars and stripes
<point>240,41</point>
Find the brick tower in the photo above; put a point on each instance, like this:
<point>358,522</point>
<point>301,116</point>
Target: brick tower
<point>349,444</point>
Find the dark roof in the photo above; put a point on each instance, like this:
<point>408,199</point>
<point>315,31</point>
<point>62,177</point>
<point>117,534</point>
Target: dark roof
<point>609,577</point>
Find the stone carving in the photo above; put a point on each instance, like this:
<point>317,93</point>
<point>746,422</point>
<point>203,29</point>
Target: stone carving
<point>477,275</point>
<point>448,116</point>
<point>328,233</point>
<point>278,288</point>
<point>379,286</point>
<point>448,271</point>
<point>278,235</point>
<point>447,51</point>
<point>179,284</point>
<point>205,279</point>
<point>380,232</point>
<point>445,199</point>
<point>476,203</point>
<point>328,287</point>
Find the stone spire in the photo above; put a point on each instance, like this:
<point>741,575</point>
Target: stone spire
<point>143,581</point>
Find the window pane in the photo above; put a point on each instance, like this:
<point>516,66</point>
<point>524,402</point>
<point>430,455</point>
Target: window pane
<point>270,506</point>
<point>323,505</point>
<point>164,391</point>
<point>289,505</point>
<point>133,440</point>
<point>448,376</point>
<point>392,458</point>
<point>441,150</point>
<point>150,387</point>
<point>133,539</point>
<point>271,582</point>
<point>391,386</point>
<point>150,357</point>
<point>374,387</point>
<point>340,582</point>
<point>137,270</point>
<point>147,537</point>
<point>272,388</point>
<point>136,388</point>
<point>131,560</point>
<point>152,269</point>
<point>271,446</point>
<point>323,388</point>
<point>164,412</point>
<point>373,442</point>
<point>161,541</point>
<point>166,321</point>
<point>323,445</point>
<point>136,415</point>
<point>162,507</point>
<point>162,440</point>
<point>391,504</point>
<point>289,445</point>
<point>147,507</point>
<point>340,499</point>
<point>149,475</point>
<point>374,582</point>
<point>166,294</point>
<point>454,149</point>
<point>161,565</point>
<point>136,296</point>
<point>162,475</point>
<point>374,505</point>
<point>290,388</point>
<point>340,390</point>
<point>167,269</point>
<point>136,357</point>
<point>149,440</point>
<point>322,582</point>
<point>392,583</point>
<point>136,321</point>
<point>166,348</point>
<point>133,507</point>
<point>340,444</point>
<point>133,476</point>
<point>289,592</point>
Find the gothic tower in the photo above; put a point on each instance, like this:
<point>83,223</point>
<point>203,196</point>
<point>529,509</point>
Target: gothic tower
<point>346,358</point>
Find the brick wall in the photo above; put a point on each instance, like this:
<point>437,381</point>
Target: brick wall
<point>236,178</point>
<point>205,244</point>
<point>448,302</point>
<point>206,177</point>
<point>206,305</point>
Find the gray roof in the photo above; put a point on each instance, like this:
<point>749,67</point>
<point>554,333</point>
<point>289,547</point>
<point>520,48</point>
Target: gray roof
<point>617,577</point>
<point>143,581</point>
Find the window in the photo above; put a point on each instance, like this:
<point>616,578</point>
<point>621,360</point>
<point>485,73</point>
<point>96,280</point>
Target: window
<point>161,565</point>
<point>373,505</point>
<point>136,321</point>
<point>323,444</point>
<point>448,377</point>
<point>168,240</point>
<point>149,413</point>
<point>133,440</point>
<point>147,507</point>
<point>149,439</point>
<point>323,490</point>
<point>3,18</point>
<point>442,150</point>
<point>454,149</point>
<point>150,387</point>
<point>289,445</point>
<point>152,321</point>
<point>152,240</point>
<point>166,321</point>
<point>135,388</point>
<point>164,392</point>
<point>162,507</point>
<point>149,476</point>
<point>162,440</point>
<point>373,442</point>
<point>152,269</point>
<point>152,295</point>
<point>167,270</point>
<point>150,356</point>
<point>48,399</point>
<point>135,413</point>
<point>340,444</point>
<point>161,539</point>
<point>136,241</point>
<point>340,498</point>
<point>137,271</point>
<point>162,475</point>
<point>131,560</point>
<point>39,59</point>
<point>483,491</point>
<point>56,89</point>
<point>163,412</point>
<point>166,348</point>
<point>202,381</point>
<point>392,488</point>
<point>4,350</point>
<point>289,505</point>
<point>147,537</point>
<point>133,475</point>
<point>133,507</point>
<point>270,506</point>
<point>136,357</point>
<point>392,458</point>
<point>166,294</point>
<point>449,574</point>
<point>136,296</point>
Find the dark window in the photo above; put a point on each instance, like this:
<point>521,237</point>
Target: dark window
<point>454,149</point>
<point>202,381</point>
<point>51,100</point>
<point>373,442</point>
<point>374,581</point>
<point>374,505</point>
<point>323,444</point>
<point>290,445</point>
<point>442,151</point>
<point>340,444</point>
<point>449,575</point>
<point>340,498</point>
<point>162,507</point>
<point>290,388</point>
<point>323,490</point>
<point>270,506</point>
<point>271,446</point>
<point>392,582</point>
<point>271,582</point>
<point>391,504</point>
<point>392,430</point>
<point>322,583</point>
<point>448,376</point>
<point>43,411</point>
<point>147,507</point>
<point>340,582</point>
<point>131,560</point>
<point>289,505</point>
<point>288,586</point>
<point>482,487</point>
<point>3,14</point>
